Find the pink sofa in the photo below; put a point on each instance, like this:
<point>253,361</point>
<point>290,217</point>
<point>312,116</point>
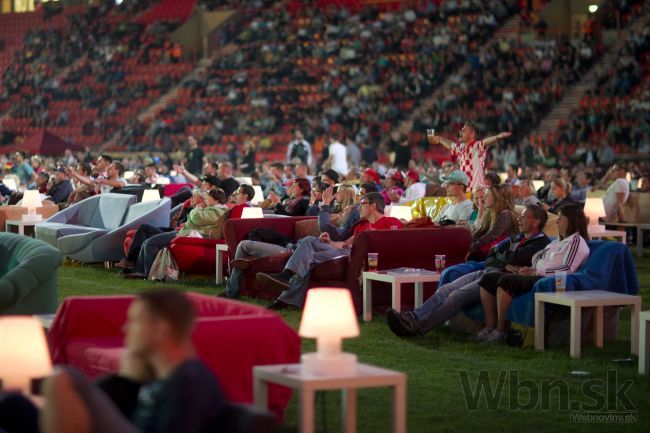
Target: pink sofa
<point>230,337</point>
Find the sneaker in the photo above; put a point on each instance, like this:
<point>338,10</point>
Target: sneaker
<point>495,337</point>
<point>278,281</point>
<point>480,335</point>
<point>124,264</point>
<point>401,323</point>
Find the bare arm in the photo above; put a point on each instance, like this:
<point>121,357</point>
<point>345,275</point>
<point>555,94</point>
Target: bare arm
<point>189,176</point>
<point>83,179</point>
<point>491,140</point>
<point>437,139</point>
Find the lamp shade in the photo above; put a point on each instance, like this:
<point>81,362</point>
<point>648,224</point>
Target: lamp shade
<point>24,354</point>
<point>31,199</point>
<point>594,209</point>
<point>401,212</point>
<point>150,195</point>
<point>162,180</point>
<point>538,183</point>
<point>244,180</point>
<point>329,313</point>
<point>259,194</point>
<point>252,212</point>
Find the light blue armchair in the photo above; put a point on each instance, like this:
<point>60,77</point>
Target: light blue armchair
<point>94,229</point>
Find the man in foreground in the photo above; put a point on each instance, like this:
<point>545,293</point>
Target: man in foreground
<point>161,386</point>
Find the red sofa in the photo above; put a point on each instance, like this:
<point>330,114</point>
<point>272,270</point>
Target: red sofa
<point>230,337</point>
<point>396,248</point>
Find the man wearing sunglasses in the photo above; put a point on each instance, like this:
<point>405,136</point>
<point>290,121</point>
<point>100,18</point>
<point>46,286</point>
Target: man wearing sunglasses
<point>312,250</point>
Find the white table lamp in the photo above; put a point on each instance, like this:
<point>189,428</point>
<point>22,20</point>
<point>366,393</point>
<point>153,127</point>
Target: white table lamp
<point>538,183</point>
<point>252,212</point>
<point>150,195</point>
<point>24,355</point>
<point>128,174</point>
<point>329,317</point>
<point>32,200</point>
<point>594,209</point>
<point>245,180</point>
<point>162,180</point>
<point>401,212</point>
<point>503,176</point>
<point>259,194</point>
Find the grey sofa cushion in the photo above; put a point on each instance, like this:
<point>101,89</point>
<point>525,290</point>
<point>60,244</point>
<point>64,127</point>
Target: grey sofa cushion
<point>51,232</point>
<point>110,210</point>
<point>140,209</point>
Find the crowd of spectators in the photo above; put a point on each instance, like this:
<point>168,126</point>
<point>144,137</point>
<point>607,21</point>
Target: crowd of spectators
<point>325,70</point>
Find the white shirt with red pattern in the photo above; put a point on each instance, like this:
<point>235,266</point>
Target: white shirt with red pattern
<point>471,158</point>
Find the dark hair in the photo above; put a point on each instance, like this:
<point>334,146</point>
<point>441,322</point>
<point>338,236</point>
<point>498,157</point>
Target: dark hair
<point>304,185</point>
<point>278,165</point>
<point>218,195</point>
<point>106,158</point>
<point>369,187</point>
<point>150,165</point>
<point>173,307</point>
<point>120,168</point>
<point>248,190</point>
<point>377,199</point>
<point>575,215</point>
<point>85,167</point>
<point>539,214</point>
<point>493,177</point>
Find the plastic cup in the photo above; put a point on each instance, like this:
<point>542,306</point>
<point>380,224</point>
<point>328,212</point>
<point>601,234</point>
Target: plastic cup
<point>560,282</point>
<point>373,258</point>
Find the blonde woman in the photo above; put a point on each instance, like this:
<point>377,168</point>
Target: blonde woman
<point>498,221</point>
<point>338,225</point>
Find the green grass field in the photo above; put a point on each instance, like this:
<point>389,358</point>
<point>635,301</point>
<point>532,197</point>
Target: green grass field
<point>436,363</point>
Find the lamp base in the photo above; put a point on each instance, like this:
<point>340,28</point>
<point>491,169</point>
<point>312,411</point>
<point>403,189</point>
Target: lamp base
<point>341,364</point>
<point>32,218</point>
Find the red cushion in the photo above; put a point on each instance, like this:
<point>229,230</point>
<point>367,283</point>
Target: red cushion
<point>128,240</point>
<point>197,255</point>
<point>95,356</point>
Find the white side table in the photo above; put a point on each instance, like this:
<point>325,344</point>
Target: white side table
<point>396,280</point>
<point>20,224</point>
<point>644,342</point>
<point>220,249</point>
<point>366,376</point>
<point>603,233</point>
<point>587,298</point>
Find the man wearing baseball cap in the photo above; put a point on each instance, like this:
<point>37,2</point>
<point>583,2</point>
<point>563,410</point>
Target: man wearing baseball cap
<point>460,208</point>
<point>414,188</point>
<point>469,151</point>
<point>62,187</point>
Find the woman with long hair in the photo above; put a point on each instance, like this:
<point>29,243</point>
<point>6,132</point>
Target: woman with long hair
<point>566,254</point>
<point>338,225</point>
<point>498,221</point>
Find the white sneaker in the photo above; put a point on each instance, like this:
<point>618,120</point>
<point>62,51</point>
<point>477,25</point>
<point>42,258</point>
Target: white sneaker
<point>495,337</point>
<point>480,335</point>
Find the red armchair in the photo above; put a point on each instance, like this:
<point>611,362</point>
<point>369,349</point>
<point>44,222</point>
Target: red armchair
<point>230,337</point>
<point>396,248</point>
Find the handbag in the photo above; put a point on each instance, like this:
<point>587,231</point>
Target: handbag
<point>164,267</point>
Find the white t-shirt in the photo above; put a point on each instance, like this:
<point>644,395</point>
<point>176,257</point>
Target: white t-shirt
<point>414,192</point>
<point>339,157</point>
<point>456,212</point>
<point>107,188</point>
<point>611,202</point>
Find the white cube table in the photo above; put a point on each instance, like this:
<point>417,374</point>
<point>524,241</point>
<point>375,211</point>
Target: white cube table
<point>644,342</point>
<point>220,249</point>
<point>396,280</point>
<point>587,298</point>
<point>20,224</point>
<point>366,376</point>
<point>599,233</point>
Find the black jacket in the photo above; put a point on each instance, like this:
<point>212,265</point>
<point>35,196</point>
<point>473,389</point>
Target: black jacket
<point>509,252</point>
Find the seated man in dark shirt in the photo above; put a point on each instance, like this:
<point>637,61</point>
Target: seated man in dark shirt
<point>161,386</point>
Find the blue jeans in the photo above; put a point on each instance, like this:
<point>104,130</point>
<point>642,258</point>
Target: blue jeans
<point>309,253</point>
<point>449,300</point>
<point>248,249</point>
<point>150,249</point>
